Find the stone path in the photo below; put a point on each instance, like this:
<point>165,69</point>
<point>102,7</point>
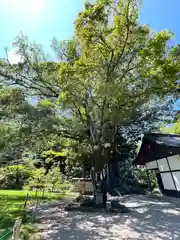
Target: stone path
<point>148,219</point>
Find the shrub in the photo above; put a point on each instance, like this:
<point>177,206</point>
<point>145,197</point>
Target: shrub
<point>37,180</point>
<point>156,191</point>
<point>15,176</point>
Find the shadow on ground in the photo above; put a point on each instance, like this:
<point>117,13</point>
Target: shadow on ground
<point>148,219</point>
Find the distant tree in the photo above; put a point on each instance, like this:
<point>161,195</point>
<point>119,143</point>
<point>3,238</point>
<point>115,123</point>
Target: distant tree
<point>24,127</point>
<point>37,180</point>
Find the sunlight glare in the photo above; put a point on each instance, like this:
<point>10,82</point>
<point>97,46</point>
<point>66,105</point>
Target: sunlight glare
<point>28,6</point>
<point>14,57</point>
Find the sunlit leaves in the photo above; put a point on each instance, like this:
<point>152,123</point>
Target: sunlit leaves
<point>122,66</point>
<point>45,103</point>
<point>173,129</point>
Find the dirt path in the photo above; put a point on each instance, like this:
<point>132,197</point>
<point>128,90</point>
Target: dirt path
<point>148,219</point>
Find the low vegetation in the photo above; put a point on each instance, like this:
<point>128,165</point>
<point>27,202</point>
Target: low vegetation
<point>12,208</point>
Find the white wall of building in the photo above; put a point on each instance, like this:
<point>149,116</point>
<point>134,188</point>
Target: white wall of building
<point>168,181</point>
<point>174,162</point>
<point>163,165</point>
<point>151,165</point>
<point>176,176</point>
<point>171,180</point>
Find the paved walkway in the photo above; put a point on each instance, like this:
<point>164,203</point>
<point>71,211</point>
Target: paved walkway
<point>148,219</point>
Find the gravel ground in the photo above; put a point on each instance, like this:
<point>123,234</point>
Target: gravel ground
<point>148,219</point>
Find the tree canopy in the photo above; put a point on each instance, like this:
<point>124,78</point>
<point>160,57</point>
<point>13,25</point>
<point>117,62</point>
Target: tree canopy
<point>114,77</point>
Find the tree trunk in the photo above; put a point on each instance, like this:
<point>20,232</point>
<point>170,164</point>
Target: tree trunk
<point>97,194</point>
<point>93,177</point>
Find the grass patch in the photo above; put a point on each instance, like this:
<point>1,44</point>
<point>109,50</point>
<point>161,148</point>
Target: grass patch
<point>12,208</point>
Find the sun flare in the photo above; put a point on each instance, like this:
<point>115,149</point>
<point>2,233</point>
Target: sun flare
<point>29,6</point>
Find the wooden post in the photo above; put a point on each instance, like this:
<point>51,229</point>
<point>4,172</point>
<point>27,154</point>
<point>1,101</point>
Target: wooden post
<point>149,181</point>
<point>49,193</point>
<point>36,194</point>
<point>25,202</point>
<point>16,230</point>
<point>108,176</point>
<point>35,208</point>
<point>43,194</point>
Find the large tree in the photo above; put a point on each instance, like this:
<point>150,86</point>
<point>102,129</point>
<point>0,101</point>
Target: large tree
<point>112,77</point>
<point>121,72</point>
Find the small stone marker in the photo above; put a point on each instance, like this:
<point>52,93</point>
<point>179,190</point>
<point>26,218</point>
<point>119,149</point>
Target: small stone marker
<point>16,230</point>
<point>108,206</point>
<point>99,197</point>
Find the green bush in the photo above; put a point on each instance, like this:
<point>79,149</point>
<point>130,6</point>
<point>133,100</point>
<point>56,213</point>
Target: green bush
<point>15,176</point>
<point>50,181</point>
<point>28,177</point>
<point>37,179</point>
<point>156,191</point>
<point>142,177</point>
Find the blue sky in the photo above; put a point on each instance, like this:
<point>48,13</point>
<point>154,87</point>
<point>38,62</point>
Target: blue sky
<point>162,14</point>
<point>41,20</point>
